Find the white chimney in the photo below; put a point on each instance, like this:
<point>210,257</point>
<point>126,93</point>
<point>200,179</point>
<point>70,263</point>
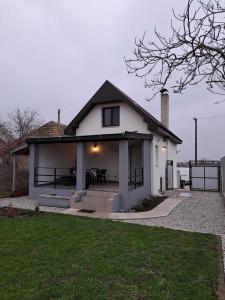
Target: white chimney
<point>165,107</point>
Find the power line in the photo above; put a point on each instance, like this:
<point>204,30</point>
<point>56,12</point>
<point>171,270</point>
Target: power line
<point>203,117</point>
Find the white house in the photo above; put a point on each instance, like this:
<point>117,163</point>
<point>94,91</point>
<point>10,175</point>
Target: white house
<point>112,155</point>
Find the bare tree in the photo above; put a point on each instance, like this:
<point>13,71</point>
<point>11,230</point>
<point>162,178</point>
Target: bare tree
<point>5,133</point>
<point>21,123</point>
<point>194,52</point>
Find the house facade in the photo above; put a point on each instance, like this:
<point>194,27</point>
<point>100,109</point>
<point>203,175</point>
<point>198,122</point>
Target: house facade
<point>111,156</point>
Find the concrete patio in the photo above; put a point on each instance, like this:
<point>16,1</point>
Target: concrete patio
<point>162,210</point>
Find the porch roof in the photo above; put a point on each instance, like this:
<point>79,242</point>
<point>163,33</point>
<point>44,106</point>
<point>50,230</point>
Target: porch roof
<point>90,138</point>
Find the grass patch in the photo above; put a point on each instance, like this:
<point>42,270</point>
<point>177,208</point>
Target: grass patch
<point>65,257</point>
<point>4,195</point>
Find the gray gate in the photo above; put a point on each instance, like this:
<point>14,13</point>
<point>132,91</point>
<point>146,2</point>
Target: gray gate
<point>169,175</point>
<point>205,175</point>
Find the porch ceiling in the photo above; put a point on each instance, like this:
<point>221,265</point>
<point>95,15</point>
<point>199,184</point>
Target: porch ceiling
<point>91,138</point>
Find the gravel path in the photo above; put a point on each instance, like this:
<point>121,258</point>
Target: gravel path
<point>204,212</point>
<point>26,203</point>
<point>19,202</point>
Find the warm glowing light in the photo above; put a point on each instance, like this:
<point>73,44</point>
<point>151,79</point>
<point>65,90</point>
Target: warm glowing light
<point>95,148</point>
<point>164,148</point>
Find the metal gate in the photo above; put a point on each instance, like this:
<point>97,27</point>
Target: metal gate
<point>205,175</point>
<point>169,175</point>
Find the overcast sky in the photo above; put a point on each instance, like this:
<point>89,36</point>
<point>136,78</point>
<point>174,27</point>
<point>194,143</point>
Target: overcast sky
<point>57,53</point>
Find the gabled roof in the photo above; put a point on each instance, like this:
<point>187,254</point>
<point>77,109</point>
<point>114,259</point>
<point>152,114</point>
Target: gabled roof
<point>109,93</point>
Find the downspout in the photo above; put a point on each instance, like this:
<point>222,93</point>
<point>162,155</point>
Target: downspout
<point>14,174</point>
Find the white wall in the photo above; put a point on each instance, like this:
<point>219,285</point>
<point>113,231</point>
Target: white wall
<point>130,120</point>
<point>56,156</point>
<point>166,151</point>
<point>107,158</point>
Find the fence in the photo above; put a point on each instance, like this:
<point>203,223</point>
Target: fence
<point>205,175</point>
<point>54,177</point>
<point>223,175</point>
<point>137,179</point>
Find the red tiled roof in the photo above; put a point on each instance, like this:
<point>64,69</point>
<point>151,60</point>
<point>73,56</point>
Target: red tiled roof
<point>50,129</point>
<point>10,145</point>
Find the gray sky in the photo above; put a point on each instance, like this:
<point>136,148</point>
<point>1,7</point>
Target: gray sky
<point>56,54</point>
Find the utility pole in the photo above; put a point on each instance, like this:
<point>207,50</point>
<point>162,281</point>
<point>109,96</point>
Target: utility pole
<point>196,140</point>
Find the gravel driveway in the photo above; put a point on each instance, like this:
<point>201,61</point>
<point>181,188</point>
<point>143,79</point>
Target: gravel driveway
<point>204,212</point>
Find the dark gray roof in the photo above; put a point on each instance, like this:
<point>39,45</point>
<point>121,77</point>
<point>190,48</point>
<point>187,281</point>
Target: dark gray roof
<point>108,93</point>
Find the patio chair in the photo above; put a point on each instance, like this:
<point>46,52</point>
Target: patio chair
<point>101,176</point>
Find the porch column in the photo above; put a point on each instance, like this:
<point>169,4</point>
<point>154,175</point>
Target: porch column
<point>81,166</point>
<point>123,167</point>
<point>33,163</point>
<point>147,165</point>
<point>14,174</point>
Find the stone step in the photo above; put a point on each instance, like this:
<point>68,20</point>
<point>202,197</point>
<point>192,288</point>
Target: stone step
<point>100,194</point>
<point>96,200</point>
<point>54,196</point>
<point>53,200</point>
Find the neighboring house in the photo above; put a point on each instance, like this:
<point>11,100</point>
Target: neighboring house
<point>2,145</point>
<point>112,155</point>
<point>6,167</point>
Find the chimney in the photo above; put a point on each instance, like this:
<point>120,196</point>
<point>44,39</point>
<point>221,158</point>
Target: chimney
<point>165,107</point>
<point>58,116</point>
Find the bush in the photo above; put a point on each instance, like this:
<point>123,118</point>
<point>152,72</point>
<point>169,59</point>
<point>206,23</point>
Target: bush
<point>149,203</point>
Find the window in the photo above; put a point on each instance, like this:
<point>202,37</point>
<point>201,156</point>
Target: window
<point>111,116</point>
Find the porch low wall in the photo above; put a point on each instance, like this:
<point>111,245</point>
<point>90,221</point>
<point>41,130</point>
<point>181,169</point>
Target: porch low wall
<point>36,192</point>
<point>133,197</point>
<point>53,202</point>
<point>124,201</point>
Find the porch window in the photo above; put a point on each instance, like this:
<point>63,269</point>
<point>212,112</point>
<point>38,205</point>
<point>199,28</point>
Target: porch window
<point>111,116</point>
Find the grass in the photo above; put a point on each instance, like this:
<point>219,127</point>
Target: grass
<point>4,194</point>
<point>65,257</point>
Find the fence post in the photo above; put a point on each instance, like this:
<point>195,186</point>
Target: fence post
<point>204,177</point>
<point>190,175</point>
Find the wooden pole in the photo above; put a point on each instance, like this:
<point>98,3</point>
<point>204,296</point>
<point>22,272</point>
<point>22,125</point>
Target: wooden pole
<point>196,140</point>
<point>14,174</point>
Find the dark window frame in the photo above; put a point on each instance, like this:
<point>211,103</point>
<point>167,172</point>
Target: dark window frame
<point>111,116</point>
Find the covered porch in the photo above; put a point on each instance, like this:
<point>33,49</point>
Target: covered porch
<point>116,163</point>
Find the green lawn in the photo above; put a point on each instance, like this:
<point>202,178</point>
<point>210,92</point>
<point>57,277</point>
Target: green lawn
<point>4,194</point>
<point>65,257</point>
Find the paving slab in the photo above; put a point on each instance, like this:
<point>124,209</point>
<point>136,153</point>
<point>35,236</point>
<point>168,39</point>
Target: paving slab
<point>162,210</point>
